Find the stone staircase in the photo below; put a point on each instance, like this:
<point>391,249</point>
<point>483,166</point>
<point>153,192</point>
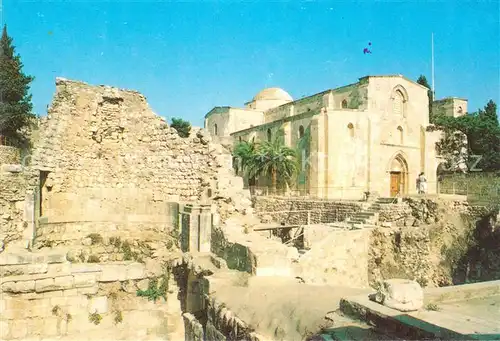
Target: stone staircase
<point>369,216</point>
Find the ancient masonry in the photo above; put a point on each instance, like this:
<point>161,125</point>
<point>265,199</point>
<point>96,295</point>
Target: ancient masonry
<point>104,184</point>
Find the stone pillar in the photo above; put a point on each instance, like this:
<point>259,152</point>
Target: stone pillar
<point>29,218</point>
<point>196,228</point>
<point>287,130</point>
<point>317,157</point>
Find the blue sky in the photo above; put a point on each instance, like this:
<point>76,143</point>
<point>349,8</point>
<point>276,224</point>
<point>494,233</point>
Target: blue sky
<point>187,57</point>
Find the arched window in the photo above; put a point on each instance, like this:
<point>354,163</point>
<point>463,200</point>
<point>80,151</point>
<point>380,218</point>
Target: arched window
<point>344,104</point>
<point>398,103</point>
<point>400,134</point>
<point>301,132</point>
<point>215,129</point>
<point>350,127</point>
<point>269,135</point>
<point>460,110</point>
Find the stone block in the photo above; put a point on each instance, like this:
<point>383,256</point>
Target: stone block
<point>42,285</point>
<point>19,329</point>
<point>4,329</point>
<point>12,168</point>
<point>88,291</point>
<point>18,287</point>
<point>113,272</point>
<point>51,326</point>
<point>136,271</point>
<point>63,282</point>
<point>41,308</point>
<point>12,259</point>
<point>53,284</point>
<point>25,286</point>
<point>143,284</point>
<point>70,292</point>
<point>50,294</point>
<point>85,267</point>
<point>36,326</point>
<point>82,280</point>
<point>400,294</point>
<point>59,268</point>
<point>98,304</point>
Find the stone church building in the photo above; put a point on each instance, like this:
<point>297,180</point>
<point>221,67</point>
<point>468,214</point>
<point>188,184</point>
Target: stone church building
<point>365,137</point>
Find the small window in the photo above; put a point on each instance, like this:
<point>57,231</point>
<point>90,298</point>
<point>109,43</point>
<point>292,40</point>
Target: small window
<point>301,132</point>
<point>398,103</point>
<point>239,138</point>
<point>350,127</point>
<point>269,135</point>
<point>215,129</point>
<point>400,134</point>
<point>460,110</point>
<point>344,104</point>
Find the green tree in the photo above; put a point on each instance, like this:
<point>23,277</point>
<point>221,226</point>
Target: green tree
<point>15,100</point>
<point>275,160</point>
<point>182,127</point>
<point>423,81</point>
<point>244,152</point>
<point>483,134</point>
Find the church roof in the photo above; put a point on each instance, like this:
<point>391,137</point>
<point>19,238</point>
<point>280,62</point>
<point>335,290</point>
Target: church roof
<point>273,94</point>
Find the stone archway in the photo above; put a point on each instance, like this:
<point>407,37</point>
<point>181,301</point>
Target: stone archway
<point>398,176</point>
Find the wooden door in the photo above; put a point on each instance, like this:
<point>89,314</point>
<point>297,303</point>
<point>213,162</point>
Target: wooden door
<point>395,183</point>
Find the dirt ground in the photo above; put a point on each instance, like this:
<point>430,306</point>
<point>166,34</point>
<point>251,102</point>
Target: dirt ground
<point>284,309</point>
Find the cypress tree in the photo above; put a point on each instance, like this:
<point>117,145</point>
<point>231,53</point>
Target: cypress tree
<point>15,99</point>
<point>423,81</point>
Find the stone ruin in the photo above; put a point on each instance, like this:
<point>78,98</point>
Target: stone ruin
<point>107,182</point>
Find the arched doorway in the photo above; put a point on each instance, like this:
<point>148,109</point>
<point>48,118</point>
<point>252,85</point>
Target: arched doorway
<point>398,173</point>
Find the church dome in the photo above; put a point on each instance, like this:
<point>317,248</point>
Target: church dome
<point>273,94</point>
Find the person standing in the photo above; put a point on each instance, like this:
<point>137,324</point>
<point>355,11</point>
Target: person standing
<point>423,183</point>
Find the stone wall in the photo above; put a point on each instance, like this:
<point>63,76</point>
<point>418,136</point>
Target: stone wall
<point>16,205</point>
<point>434,242</point>
<point>313,211</point>
<point>109,163</point>
<point>45,296</point>
<point>341,258</point>
<point>9,155</point>
<point>245,250</point>
<point>205,316</point>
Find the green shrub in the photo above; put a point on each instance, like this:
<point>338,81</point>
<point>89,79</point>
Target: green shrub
<point>95,318</point>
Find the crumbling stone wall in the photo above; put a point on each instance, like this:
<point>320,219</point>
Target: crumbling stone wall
<point>109,161</point>
<point>320,211</point>
<point>429,241</point>
<point>16,205</point>
<point>9,155</point>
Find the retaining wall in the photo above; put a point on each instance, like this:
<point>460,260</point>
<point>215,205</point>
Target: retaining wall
<point>302,211</point>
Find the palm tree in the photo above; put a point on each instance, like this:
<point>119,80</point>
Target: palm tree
<point>276,160</point>
<point>244,151</point>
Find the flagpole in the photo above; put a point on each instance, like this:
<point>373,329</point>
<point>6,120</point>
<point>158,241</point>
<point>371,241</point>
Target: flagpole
<point>432,63</point>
